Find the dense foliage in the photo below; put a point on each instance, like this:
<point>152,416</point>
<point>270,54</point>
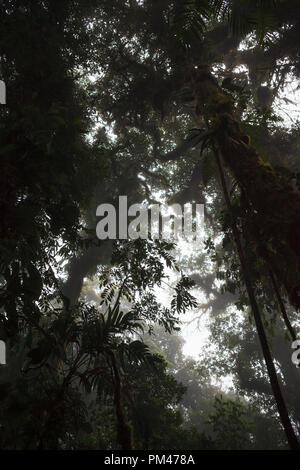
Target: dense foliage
<point>175,101</point>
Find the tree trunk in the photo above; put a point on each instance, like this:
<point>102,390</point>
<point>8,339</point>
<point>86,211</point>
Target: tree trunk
<point>123,429</point>
<point>273,198</point>
<point>282,410</point>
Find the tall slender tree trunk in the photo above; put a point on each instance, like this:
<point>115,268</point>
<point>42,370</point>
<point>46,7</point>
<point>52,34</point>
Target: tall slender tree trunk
<point>254,230</point>
<point>272,197</point>
<point>282,410</point>
<point>124,432</point>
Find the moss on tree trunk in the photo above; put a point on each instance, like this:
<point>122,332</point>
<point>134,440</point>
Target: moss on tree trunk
<point>274,201</point>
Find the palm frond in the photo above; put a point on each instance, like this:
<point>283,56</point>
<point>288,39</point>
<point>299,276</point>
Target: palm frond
<point>245,16</point>
<point>189,20</point>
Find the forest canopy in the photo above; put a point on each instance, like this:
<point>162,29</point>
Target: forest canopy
<point>164,102</point>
